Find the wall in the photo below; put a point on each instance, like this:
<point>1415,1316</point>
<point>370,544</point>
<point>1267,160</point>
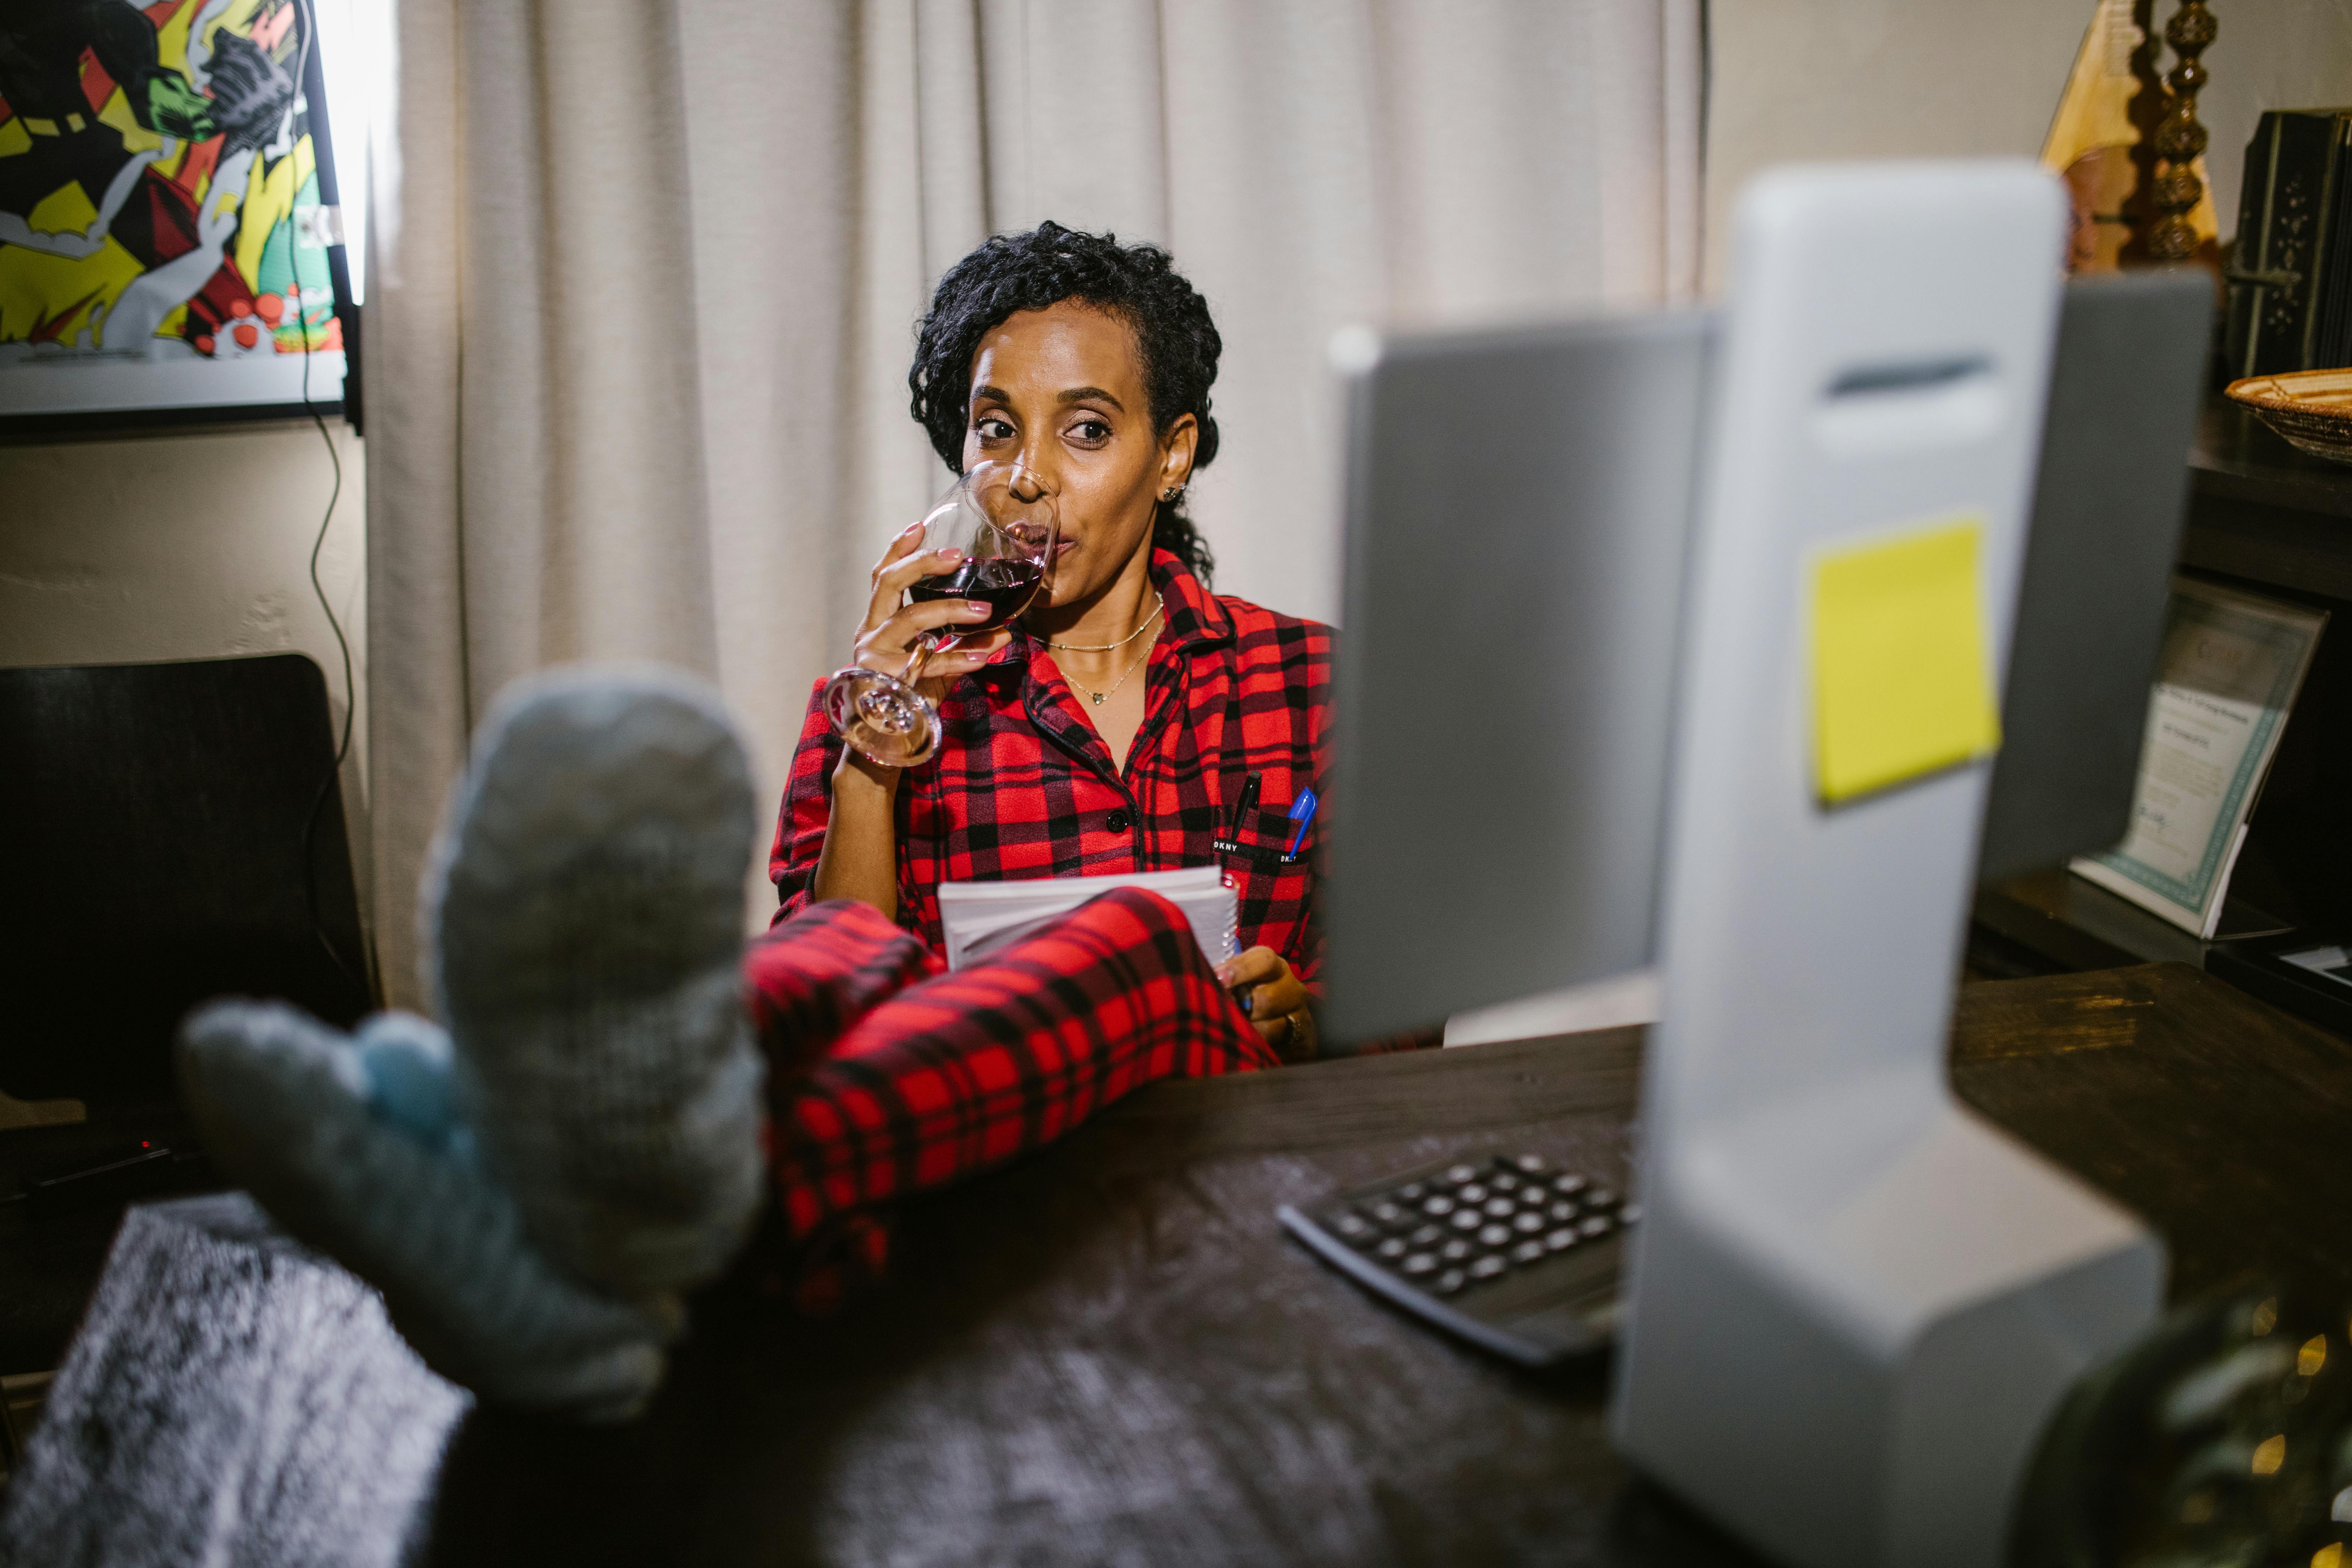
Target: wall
<point>1844,78</point>
<point>188,546</point>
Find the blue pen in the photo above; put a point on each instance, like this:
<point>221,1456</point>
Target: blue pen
<point>1302,812</point>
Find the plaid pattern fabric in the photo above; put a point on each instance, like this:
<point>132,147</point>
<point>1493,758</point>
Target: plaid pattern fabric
<point>887,1078</point>
<point>1023,786</point>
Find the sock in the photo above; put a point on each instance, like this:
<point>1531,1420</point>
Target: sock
<point>348,1146</point>
<point>583,918</point>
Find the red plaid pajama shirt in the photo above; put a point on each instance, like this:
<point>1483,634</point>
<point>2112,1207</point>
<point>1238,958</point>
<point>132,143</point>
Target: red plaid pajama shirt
<point>1024,787</point>
<point>887,1076</point>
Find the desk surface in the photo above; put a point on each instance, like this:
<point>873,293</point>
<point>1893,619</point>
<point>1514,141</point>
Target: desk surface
<point>1109,1353</point>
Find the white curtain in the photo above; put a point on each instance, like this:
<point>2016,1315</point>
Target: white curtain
<point>646,273</point>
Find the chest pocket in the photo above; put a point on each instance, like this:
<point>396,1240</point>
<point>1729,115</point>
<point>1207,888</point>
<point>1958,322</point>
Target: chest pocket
<point>1273,890</point>
<point>1262,843</point>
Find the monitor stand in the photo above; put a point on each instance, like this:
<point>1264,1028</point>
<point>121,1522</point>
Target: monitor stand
<point>1853,1304</point>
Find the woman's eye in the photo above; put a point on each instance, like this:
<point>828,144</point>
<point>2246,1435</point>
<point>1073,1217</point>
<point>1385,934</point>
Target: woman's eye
<point>1090,431</point>
<point>992,428</point>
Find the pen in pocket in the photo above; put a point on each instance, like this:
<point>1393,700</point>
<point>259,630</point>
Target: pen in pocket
<point>1238,812</point>
<point>1302,812</point>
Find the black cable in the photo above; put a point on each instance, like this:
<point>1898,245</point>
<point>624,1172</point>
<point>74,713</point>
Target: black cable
<point>307,12</point>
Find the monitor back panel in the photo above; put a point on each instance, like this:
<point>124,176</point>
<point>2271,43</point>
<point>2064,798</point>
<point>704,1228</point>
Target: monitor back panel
<point>1517,512</point>
<point>2108,504</point>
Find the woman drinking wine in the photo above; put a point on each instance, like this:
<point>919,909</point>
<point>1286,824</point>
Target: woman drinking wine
<point>644,1084</point>
<point>1129,719</point>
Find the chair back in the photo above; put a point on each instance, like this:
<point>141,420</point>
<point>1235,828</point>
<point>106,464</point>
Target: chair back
<point>158,847</point>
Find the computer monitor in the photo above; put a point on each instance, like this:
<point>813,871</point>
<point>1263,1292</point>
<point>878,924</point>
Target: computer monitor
<point>1516,515</point>
<point>1518,507</point>
<point>2109,499</point>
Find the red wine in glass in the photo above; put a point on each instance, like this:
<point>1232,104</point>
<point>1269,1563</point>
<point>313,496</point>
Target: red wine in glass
<point>1002,521</point>
<point>1005,585</point>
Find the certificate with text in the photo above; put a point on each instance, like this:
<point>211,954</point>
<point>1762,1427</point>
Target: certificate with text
<point>2231,665</point>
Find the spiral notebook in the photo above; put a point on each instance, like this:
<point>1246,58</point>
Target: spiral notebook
<point>982,919</point>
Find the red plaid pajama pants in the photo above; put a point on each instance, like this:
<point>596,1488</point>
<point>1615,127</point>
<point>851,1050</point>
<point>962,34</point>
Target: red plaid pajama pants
<point>887,1077</point>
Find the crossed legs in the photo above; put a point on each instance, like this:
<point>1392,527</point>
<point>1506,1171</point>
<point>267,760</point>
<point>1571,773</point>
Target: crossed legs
<point>534,1190</point>
<point>887,1078</point>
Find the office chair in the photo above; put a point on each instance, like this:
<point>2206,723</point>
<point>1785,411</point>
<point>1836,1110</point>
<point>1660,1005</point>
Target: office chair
<point>168,832</point>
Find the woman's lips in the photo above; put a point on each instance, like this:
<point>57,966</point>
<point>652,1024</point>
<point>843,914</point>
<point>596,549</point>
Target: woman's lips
<point>1062,547</point>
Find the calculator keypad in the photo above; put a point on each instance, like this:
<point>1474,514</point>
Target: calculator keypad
<point>1511,1253</point>
<point>1512,1212</point>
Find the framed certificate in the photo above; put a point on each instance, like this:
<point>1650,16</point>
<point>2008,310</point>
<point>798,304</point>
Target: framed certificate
<point>2232,665</point>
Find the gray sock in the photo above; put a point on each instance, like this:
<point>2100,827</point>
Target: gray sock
<point>584,914</point>
<point>348,1144</point>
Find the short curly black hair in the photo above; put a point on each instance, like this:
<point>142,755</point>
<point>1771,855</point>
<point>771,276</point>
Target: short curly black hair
<point>1045,265</point>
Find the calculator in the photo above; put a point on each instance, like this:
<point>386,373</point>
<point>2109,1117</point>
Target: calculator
<point>1513,1254</point>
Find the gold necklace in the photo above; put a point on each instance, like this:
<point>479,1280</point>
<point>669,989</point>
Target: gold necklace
<point>1157,604</point>
<point>1100,698</point>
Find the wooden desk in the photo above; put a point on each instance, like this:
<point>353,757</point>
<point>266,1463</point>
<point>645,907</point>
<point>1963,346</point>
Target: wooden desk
<point>1111,1354</point>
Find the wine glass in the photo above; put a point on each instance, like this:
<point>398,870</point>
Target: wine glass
<point>1004,519</point>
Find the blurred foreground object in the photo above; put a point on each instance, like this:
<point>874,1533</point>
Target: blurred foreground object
<point>220,1360</point>
<point>2223,1437</point>
<point>534,1187</point>
<point>1855,1303</point>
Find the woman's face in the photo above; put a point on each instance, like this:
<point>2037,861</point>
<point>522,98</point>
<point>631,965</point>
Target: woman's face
<point>1061,390</point>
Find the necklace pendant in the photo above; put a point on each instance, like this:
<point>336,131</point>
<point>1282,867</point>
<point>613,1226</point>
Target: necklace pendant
<point>1097,697</point>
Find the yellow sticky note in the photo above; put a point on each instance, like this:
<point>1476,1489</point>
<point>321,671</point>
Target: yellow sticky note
<point>1901,684</point>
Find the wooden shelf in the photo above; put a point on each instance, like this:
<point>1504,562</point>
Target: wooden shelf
<point>2264,513</point>
<point>2261,511</point>
<point>2068,924</point>
<point>2237,458</point>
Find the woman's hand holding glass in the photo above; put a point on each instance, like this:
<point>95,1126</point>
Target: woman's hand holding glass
<point>860,856</point>
<point>887,638</point>
<point>971,566</point>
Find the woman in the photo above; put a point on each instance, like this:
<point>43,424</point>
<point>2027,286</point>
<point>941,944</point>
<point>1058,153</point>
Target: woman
<point>1118,726</point>
<point>583,904</point>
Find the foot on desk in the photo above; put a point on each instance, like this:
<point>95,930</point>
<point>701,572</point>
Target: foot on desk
<point>348,1146</point>
<point>584,913</point>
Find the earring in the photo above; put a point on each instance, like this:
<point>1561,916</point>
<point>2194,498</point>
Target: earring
<point>1171,495</point>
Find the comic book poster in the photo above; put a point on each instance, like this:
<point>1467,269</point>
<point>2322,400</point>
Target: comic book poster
<point>162,242</point>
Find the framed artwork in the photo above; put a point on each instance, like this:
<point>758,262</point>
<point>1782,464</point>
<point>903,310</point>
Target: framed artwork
<point>168,248</point>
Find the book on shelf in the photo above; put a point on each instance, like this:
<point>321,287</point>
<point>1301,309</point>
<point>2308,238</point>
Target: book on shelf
<point>2291,275</point>
<point>2226,681</point>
